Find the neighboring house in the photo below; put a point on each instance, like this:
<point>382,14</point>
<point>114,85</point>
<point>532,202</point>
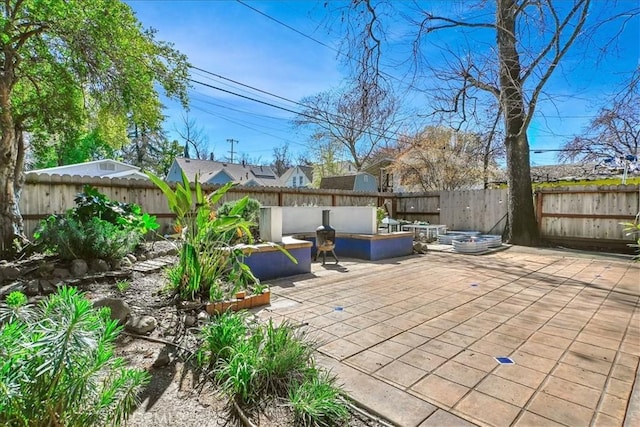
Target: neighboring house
<point>360,181</point>
<point>212,172</point>
<point>382,170</point>
<point>106,168</point>
<point>297,176</point>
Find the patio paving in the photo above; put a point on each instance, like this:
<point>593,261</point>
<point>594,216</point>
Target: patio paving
<point>414,339</point>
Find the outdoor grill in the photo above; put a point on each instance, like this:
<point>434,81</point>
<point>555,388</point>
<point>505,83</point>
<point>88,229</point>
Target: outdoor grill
<point>325,238</point>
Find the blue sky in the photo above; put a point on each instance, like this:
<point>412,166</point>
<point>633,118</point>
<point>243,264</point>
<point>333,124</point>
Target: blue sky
<point>235,42</point>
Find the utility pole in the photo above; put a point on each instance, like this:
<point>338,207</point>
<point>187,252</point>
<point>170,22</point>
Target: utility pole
<point>232,141</point>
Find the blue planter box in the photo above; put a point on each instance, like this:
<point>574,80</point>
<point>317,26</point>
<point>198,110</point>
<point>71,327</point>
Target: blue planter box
<point>370,247</point>
<point>268,262</point>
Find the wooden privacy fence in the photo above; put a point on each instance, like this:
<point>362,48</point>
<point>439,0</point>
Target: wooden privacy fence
<point>587,214</point>
<point>44,195</point>
<point>568,214</point>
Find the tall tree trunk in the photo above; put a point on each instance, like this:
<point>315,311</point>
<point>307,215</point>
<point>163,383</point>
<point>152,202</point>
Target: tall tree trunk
<point>523,229</point>
<point>10,219</point>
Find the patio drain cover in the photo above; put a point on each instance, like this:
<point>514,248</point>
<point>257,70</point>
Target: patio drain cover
<point>338,308</point>
<point>505,360</point>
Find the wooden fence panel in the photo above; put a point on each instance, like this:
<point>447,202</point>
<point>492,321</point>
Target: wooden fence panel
<point>587,212</point>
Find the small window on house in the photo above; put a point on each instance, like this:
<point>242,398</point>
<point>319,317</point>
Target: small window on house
<point>294,181</point>
<point>366,178</point>
<point>107,167</point>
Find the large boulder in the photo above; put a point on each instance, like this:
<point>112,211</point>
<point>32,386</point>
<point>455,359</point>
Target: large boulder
<point>79,268</point>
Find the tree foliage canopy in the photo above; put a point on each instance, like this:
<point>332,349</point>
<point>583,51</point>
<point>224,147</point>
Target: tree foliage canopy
<point>63,62</point>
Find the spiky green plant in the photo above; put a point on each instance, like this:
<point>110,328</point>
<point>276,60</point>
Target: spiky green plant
<point>221,336</point>
<point>240,375</point>
<point>285,356</point>
<point>316,402</point>
<point>58,367</point>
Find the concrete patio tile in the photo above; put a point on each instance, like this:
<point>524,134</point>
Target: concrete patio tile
<point>593,351</point>
<point>508,391</point>
<point>525,324</point>
<point>631,346</point>
<point>441,348</point>
<point>472,331</point>
<point>360,322</point>
<point>624,373</point>
<point>490,348</point>
<point>377,315</point>
<point>461,374</point>
<point>456,339</point>
<point>587,362</point>
<point>364,339</point>
<point>340,349</point>
<point>443,418</point>
<point>629,360</point>
<point>560,332</point>
<point>384,331</point>
<point>400,373</point>
<point>550,340</point>
<point>603,419</point>
<point>529,419</point>
<point>320,337</point>
<point>560,410</point>
<point>493,317</point>
<point>422,360</point>
<point>529,360</point>
<point>391,349</point>
<point>520,374</point>
<point>320,322</point>
<point>580,376</point>
<point>613,406</point>
<point>378,397</point>
<point>599,341</point>
<point>619,388</point>
<point>542,350</point>
<point>487,409</point>
<point>340,329</point>
<point>504,340</point>
<point>441,323</point>
<point>369,360</point>
<point>572,392</point>
<point>427,331</point>
<point>514,331</point>
<point>440,390</point>
<point>410,339</point>
<point>475,360</point>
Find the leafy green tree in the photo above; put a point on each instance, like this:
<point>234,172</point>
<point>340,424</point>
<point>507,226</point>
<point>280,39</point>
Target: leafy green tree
<point>64,61</point>
<point>150,150</point>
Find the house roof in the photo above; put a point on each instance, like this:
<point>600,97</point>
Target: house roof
<point>238,172</point>
<point>306,170</point>
<point>344,182</point>
<point>563,171</point>
<point>115,169</point>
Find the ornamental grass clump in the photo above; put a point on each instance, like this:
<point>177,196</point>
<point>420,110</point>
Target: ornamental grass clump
<point>256,363</point>
<point>57,367</point>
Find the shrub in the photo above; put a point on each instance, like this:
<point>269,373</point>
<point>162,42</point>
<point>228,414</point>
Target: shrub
<point>96,228</point>
<point>633,229</point>
<point>250,213</point>
<point>316,402</point>
<point>221,336</point>
<point>58,368</point>
<point>94,238</point>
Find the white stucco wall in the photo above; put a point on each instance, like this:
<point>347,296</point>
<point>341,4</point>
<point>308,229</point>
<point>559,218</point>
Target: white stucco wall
<point>345,219</point>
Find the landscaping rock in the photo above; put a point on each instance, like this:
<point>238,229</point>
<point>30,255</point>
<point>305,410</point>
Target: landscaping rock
<point>46,269</point>
<point>100,265</point>
<point>79,267</point>
<point>120,310</point>
<point>141,324</point>
<point>10,273</point>
<point>163,359</point>
<point>172,251</point>
<point>47,287</point>
<point>132,258</point>
<point>61,273</point>
<point>32,288</point>
<point>125,263</point>
<point>419,248</point>
<point>190,320</point>
<point>203,316</point>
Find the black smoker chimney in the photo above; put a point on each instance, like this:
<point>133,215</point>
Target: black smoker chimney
<point>325,238</point>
